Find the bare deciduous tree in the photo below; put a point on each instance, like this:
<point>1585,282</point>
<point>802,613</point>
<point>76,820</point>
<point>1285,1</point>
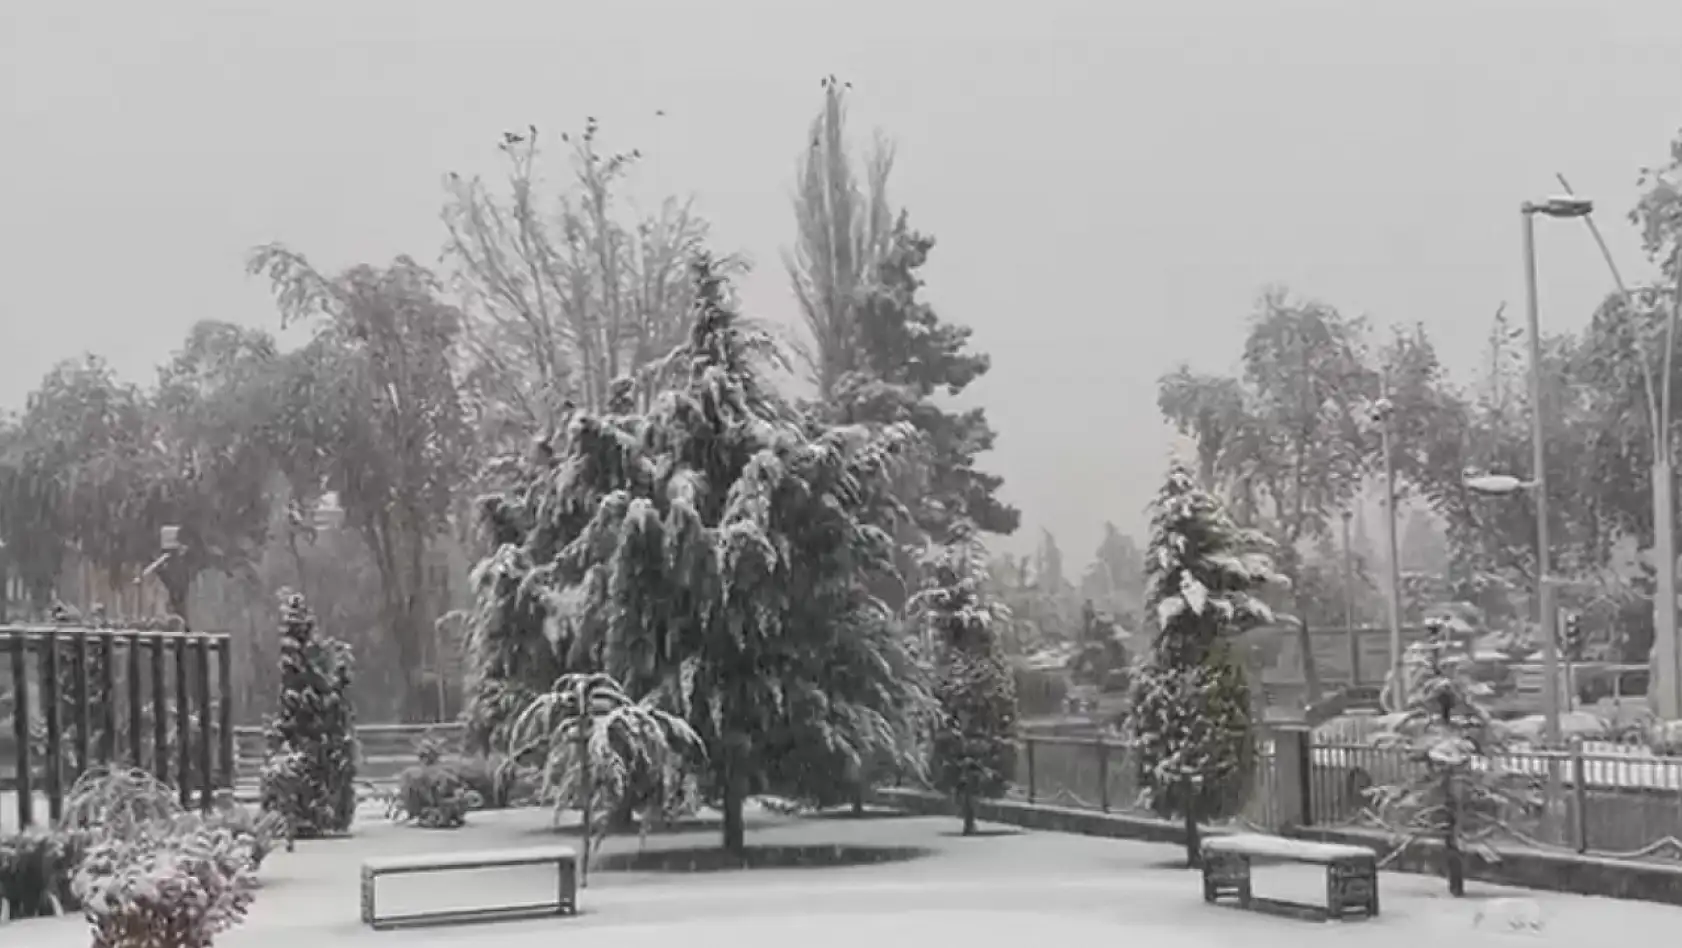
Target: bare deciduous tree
<point>564,294</point>
<point>845,228</point>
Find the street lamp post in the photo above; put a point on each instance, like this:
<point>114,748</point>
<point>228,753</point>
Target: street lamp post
<point>1665,690</point>
<point>1558,207</point>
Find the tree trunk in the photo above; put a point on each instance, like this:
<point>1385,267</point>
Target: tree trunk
<point>298,563</point>
<point>966,805</point>
<point>1454,859</point>
<point>735,795</point>
<point>177,583</point>
<point>1305,642</point>
<point>1194,844</point>
<point>623,817</point>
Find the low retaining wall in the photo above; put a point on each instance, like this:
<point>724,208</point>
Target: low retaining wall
<point>1555,872</point>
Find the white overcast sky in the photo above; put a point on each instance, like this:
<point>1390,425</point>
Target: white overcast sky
<point>1111,182</point>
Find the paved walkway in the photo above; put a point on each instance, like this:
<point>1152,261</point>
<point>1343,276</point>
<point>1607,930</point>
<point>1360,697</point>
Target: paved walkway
<point>1010,888</point>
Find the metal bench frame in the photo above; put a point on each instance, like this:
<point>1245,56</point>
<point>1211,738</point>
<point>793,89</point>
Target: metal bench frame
<point>1351,879</point>
<point>564,858</point>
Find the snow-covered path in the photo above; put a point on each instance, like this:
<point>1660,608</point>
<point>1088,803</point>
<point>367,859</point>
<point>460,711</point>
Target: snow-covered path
<point>1016,889</point>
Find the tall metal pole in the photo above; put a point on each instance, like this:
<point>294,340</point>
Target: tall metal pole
<point>1666,701</point>
<point>1667,651</point>
<point>1349,604</point>
<point>1394,605</point>
<point>1544,589</point>
<point>1664,691</point>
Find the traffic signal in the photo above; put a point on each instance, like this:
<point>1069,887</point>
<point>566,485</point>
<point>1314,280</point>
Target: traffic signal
<point>1571,636</point>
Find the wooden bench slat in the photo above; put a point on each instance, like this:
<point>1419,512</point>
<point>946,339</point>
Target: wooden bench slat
<point>480,859</point>
<point>1278,847</point>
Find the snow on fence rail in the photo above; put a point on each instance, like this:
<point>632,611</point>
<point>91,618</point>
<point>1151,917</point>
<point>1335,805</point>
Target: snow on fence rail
<point>1597,764</point>
<point>1603,798</point>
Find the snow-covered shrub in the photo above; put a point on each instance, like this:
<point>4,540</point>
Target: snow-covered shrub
<point>1458,793</point>
<point>309,777</point>
<point>113,800</point>
<point>1190,718</point>
<point>36,867</point>
<point>499,781</point>
<point>432,794</point>
<point>166,886</point>
<point>972,752</point>
<point>602,750</point>
<point>257,829</point>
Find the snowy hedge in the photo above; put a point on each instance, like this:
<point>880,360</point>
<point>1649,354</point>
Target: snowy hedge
<point>36,867</point>
<point>175,885</point>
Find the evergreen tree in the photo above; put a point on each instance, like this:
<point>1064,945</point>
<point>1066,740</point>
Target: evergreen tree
<point>712,553</point>
<point>1115,579</point>
<point>310,775</point>
<point>1457,794</point>
<point>1191,701</point>
<point>973,750</point>
<point>905,355</point>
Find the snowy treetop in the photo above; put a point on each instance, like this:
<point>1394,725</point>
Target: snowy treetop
<point>1202,568</point>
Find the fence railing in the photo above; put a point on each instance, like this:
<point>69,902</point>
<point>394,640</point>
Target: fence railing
<point>1601,798</point>
<point>1597,798</point>
<point>1103,774</point>
<point>78,698</point>
<point>384,750</point>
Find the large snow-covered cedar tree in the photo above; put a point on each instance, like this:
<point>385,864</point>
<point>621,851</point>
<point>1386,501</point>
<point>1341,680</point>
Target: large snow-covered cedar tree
<point>1457,794</point>
<point>973,750</point>
<point>712,548</point>
<point>310,775</point>
<point>1191,700</point>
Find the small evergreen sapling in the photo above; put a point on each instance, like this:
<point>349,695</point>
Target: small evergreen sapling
<point>310,775</point>
<point>1457,792</point>
<point>1190,720</point>
<point>973,753</point>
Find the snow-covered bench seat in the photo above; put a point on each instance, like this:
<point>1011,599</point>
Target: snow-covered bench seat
<point>1351,871</point>
<point>563,858</point>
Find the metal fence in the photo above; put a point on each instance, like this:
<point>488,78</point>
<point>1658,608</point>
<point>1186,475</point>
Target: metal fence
<point>1603,799</point>
<point>1103,774</point>
<point>1599,798</point>
<point>383,750</point>
<point>77,698</point>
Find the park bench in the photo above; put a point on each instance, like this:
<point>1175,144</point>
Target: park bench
<point>563,858</point>
<point>1351,873</point>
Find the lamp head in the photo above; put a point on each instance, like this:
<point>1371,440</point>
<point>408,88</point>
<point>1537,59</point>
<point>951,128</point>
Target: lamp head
<point>1560,205</point>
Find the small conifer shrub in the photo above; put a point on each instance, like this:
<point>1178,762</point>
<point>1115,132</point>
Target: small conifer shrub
<point>309,778</point>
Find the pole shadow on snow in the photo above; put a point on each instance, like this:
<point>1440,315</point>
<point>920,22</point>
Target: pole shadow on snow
<point>869,813</point>
<point>712,859</point>
<point>695,824</point>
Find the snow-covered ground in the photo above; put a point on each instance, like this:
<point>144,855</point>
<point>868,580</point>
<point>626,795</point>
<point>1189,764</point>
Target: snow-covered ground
<point>1010,888</point>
